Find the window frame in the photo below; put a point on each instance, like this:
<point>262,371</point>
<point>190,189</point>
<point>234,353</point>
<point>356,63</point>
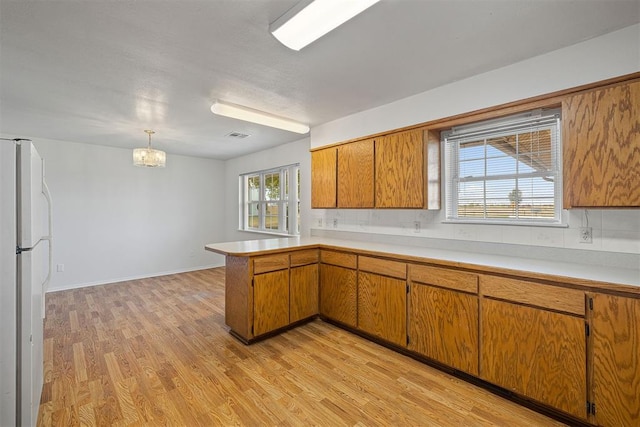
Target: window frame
<point>288,219</point>
<point>493,128</point>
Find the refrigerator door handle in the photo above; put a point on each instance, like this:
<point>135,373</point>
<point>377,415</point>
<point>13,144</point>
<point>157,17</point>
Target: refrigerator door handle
<point>45,284</point>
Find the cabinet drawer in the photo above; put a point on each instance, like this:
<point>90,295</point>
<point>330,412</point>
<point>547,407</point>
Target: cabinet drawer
<point>383,266</point>
<point>268,263</point>
<point>445,278</point>
<point>304,257</point>
<point>339,258</point>
<point>536,294</point>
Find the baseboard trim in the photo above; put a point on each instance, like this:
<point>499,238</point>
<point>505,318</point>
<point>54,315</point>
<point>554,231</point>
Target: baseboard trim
<point>126,279</point>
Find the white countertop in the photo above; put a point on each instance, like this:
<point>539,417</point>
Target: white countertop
<point>572,271</point>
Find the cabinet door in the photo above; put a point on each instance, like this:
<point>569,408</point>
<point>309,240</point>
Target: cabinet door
<point>355,175</point>
<point>616,360</point>
<point>443,325</point>
<point>270,301</point>
<point>537,353</point>
<point>303,288</point>
<point>601,140</point>
<point>400,170</point>
<point>324,178</point>
<point>382,307</point>
<point>338,294</point>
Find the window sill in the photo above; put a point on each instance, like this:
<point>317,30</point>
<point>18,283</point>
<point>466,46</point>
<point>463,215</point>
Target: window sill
<point>524,223</point>
<point>270,233</point>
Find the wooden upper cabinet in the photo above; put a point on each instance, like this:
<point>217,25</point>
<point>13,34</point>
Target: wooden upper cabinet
<point>601,154</point>
<point>615,340</point>
<point>355,174</point>
<point>408,169</point>
<point>324,178</point>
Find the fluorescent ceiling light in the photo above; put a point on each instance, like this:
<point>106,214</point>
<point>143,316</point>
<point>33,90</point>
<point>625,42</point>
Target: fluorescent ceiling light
<point>255,116</point>
<point>308,21</point>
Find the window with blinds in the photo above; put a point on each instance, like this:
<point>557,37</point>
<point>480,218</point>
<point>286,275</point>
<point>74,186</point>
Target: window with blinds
<point>505,171</point>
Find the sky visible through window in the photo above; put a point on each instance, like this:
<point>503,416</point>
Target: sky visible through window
<point>506,177</point>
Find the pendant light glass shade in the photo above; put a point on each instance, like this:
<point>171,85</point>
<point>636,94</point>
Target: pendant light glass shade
<point>148,157</point>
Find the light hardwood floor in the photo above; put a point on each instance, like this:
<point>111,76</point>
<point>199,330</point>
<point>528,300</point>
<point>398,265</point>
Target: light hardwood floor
<point>156,352</point>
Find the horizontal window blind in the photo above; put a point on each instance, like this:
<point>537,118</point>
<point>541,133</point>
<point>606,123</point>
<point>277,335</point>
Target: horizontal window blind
<point>505,171</point>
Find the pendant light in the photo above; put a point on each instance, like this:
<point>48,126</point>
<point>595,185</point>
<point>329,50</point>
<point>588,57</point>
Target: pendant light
<point>148,157</point>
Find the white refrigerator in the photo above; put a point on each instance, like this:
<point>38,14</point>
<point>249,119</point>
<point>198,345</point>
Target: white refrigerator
<point>25,270</point>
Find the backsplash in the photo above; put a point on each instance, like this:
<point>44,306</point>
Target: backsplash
<point>615,233</point>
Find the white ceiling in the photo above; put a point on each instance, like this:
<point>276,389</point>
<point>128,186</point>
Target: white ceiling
<point>102,71</point>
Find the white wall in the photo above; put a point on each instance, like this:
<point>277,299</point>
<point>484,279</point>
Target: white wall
<point>287,154</point>
<point>611,55</point>
<point>114,221</point>
<point>614,231</point>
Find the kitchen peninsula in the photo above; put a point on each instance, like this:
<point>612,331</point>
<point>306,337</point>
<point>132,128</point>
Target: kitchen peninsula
<point>551,332</point>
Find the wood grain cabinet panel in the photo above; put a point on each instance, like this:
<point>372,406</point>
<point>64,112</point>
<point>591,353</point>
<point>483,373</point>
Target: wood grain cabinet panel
<point>324,176</point>
<point>601,147</point>
<point>444,278</point>
<point>443,325</point>
<point>384,267</point>
<point>615,342</point>
<point>400,170</point>
<point>238,298</point>
<point>267,263</point>
<point>532,293</point>
<point>303,288</point>
<point>338,292</point>
<point>355,174</point>
<point>271,301</point>
<point>304,257</point>
<point>536,353</point>
<point>382,307</point>
<point>341,259</point>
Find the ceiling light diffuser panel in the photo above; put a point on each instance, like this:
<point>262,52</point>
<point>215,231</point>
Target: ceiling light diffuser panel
<point>255,116</point>
<point>309,20</point>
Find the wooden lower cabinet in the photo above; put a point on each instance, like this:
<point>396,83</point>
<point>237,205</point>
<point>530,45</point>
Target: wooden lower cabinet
<point>382,307</point>
<point>537,353</point>
<point>270,301</point>
<point>443,326</point>
<point>303,289</point>
<point>534,338</point>
<point>338,294</point>
<point>615,344</point>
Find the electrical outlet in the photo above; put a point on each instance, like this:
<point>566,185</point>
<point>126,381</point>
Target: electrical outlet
<point>416,226</point>
<point>586,235</point>
<point>60,268</point>
<point>335,223</point>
